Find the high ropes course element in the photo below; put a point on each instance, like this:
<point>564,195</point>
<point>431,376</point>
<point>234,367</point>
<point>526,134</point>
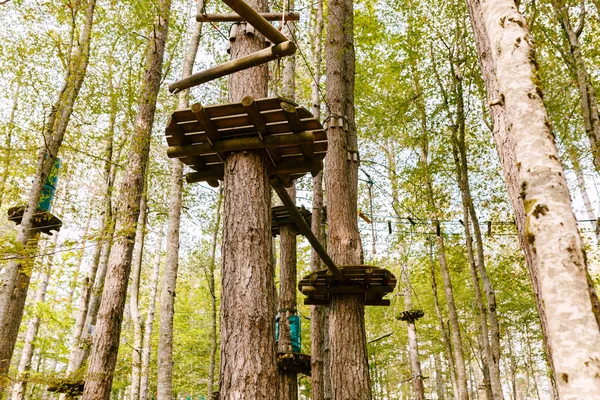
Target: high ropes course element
<point>295,143</point>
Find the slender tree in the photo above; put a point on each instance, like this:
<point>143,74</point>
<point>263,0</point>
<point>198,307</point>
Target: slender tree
<point>560,274</point>
<point>169,279</point>
<point>108,329</point>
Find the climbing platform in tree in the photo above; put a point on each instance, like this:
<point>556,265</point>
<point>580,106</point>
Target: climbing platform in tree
<point>72,388</point>
<point>294,141</point>
<point>295,362</point>
<point>410,315</point>
<point>372,282</point>
<point>43,221</point>
<point>280,216</point>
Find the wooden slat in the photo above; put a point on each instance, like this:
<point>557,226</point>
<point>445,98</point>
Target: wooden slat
<point>204,120</point>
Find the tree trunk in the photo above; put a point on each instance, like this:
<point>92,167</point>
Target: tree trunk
<point>149,324</point>
<point>106,338</point>
<point>589,209</point>
<point>551,229</point>
<point>413,344</point>
<point>213,297</point>
<point>16,277</point>
<point>248,369</point>
<point>84,239</point>
<point>136,317</point>
<point>587,95</point>
<point>440,388</point>
<point>169,279</point>
<point>288,382</point>
<point>20,386</point>
<point>10,127</point>
<point>349,361</point>
<point>317,313</point>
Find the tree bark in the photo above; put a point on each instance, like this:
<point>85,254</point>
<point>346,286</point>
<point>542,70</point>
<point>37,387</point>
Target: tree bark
<point>149,324</point>
<point>317,313</point>
<point>136,317</point>
<point>213,297</point>
<point>20,386</point>
<point>169,279</point>
<point>15,283</point>
<point>288,382</point>
<point>10,127</point>
<point>84,239</point>
<point>413,344</point>
<point>248,369</point>
<point>550,226</point>
<point>106,338</point>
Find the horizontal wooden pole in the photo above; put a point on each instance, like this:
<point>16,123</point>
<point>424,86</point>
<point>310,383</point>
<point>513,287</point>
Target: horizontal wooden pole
<point>239,144</point>
<point>304,228</point>
<point>233,17</point>
<point>256,20</point>
<point>239,64</point>
<point>324,302</point>
<point>216,172</point>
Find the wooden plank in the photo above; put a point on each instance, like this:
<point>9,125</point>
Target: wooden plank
<point>340,289</point>
<point>256,20</point>
<point>281,49</point>
<point>233,17</point>
<point>239,144</point>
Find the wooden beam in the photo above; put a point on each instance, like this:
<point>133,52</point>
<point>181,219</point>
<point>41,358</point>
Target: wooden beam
<point>233,17</point>
<point>342,289</point>
<point>251,60</point>
<point>239,144</point>
<point>255,116</point>
<point>296,125</point>
<point>256,20</point>
<point>204,120</point>
<point>304,228</point>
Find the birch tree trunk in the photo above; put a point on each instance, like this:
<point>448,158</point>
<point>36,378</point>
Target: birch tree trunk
<point>413,344</point>
<point>248,368</point>
<point>149,324</point>
<point>550,225</point>
<point>16,276</point>
<point>587,95</point>
<point>106,338</point>
<point>136,317</point>
<point>84,237</point>
<point>317,313</point>
<point>213,297</point>
<point>20,386</point>
<point>169,279</point>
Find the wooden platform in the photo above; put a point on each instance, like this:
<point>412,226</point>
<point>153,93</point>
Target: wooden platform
<point>72,388</point>
<point>201,137</point>
<point>280,216</point>
<point>372,282</point>
<point>295,362</point>
<point>43,221</point>
<point>410,315</point>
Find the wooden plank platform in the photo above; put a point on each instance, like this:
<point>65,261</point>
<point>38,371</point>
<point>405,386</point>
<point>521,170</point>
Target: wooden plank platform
<point>201,137</point>
<point>372,282</point>
<point>295,362</point>
<point>410,315</point>
<point>280,216</point>
<point>43,221</point>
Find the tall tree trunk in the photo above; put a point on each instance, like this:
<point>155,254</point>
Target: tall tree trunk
<point>149,324</point>
<point>413,344</point>
<point>286,307</point>
<point>551,229</point>
<point>20,386</point>
<point>317,313</point>
<point>169,279</point>
<point>84,239</point>
<point>440,388</point>
<point>108,329</point>
<point>136,317</point>
<point>15,282</point>
<point>587,95</point>
<point>213,297</point>
<point>10,127</point>
<point>248,367</point>
<point>587,204</point>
